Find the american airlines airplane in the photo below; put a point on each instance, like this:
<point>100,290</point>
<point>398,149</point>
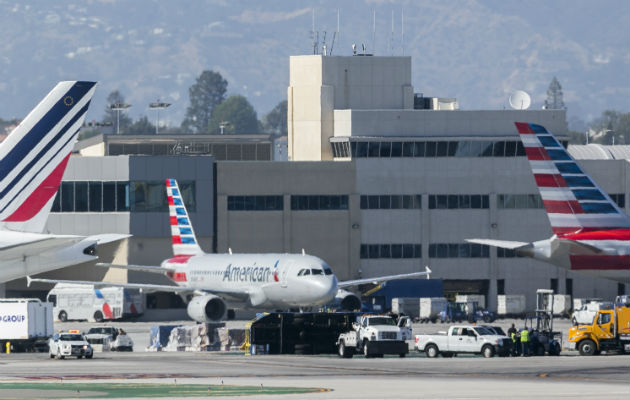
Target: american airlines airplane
<point>591,233</point>
<point>215,283</point>
<point>33,159</point>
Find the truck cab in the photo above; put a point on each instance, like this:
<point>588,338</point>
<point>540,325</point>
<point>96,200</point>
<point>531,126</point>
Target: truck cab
<point>375,335</point>
<point>610,330</point>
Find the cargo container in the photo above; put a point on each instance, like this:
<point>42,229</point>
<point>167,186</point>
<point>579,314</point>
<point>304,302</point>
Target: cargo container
<point>430,308</point>
<point>26,324</point>
<point>476,298</point>
<point>511,305</point>
<point>409,306</point>
<point>562,305</point>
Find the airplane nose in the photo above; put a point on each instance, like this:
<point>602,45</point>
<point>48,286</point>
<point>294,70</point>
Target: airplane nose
<point>324,290</point>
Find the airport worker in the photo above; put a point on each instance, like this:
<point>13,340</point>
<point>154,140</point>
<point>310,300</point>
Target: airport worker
<point>525,342</point>
<point>511,330</point>
<point>516,342</point>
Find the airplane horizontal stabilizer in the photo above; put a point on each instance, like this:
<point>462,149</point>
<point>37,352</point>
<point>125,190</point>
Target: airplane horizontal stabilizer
<point>386,278</point>
<point>580,248</point>
<point>25,246</point>
<point>504,244</point>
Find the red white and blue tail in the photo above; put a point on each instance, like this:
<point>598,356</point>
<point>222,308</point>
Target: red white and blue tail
<point>34,156</point>
<point>184,240</point>
<point>573,201</point>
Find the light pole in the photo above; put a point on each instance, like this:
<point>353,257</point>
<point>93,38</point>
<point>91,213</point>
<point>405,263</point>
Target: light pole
<point>157,106</point>
<point>223,125</point>
<point>118,107</point>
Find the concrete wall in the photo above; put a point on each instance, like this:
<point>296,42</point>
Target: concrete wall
<point>400,123</point>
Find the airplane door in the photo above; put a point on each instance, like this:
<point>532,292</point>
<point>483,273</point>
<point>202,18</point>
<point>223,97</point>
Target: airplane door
<point>284,274</point>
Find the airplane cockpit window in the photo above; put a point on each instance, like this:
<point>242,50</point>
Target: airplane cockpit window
<point>317,271</point>
<point>302,271</point>
<point>307,271</point>
<point>327,271</point>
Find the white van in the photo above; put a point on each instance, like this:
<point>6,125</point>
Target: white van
<point>86,302</point>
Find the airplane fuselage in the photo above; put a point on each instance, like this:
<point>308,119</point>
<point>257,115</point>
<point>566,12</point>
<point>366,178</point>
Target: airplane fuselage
<point>257,280</point>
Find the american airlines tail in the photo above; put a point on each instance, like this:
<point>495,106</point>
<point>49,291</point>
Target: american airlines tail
<point>591,233</point>
<point>34,156</point>
<point>184,240</point>
<point>574,202</point>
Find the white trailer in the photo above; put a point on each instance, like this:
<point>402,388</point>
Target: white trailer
<point>409,306</point>
<point>25,324</point>
<point>430,308</point>
<point>510,305</point>
<point>86,302</point>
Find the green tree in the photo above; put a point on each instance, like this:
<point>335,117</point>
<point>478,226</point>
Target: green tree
<point>205,95</point>
<point>237,116</point>
<point>110,116</point>
<point>275,122</point>
<point>142,126</point>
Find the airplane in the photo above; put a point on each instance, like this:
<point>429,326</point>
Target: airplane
<point>33,159</point>
<point>591,233</point>
<point>216,284</point>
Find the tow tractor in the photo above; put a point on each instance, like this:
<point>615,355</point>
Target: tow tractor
<point>543,339</point>
<point>376,335</point>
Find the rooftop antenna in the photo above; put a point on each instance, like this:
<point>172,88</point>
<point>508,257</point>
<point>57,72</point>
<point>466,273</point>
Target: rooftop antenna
<point>520,100</point>
<point>324,45</point>
<point>354,49</point>
<point>374,30</point>
<point>402,30</point>
<point>391,37</point>
<point>333,42</point>
<point>314,35</point>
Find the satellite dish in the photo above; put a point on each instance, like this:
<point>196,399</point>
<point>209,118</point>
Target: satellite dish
<point>520,100</point>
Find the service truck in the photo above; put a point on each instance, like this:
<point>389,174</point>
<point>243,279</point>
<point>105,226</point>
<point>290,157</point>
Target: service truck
<point>26,324</point>
<point>609,331</point>
<point>462,339</point>
<point>376,335</point>
<point>86,302</point>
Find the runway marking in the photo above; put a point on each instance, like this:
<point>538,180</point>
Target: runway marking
<point>130,390</point>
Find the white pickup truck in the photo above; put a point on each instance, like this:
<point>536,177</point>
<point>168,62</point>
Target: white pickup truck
<point>462,339</point>
<point>375,335</point>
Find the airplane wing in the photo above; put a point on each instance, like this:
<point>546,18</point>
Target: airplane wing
<point>505,244</point>
<point>144,286</point>
<point>377,279</point>
<point>33,244</point>
<point>143,268</point>
<point>105,238</point>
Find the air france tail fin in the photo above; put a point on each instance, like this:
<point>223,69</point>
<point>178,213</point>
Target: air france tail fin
<point>34,156</point>
<point>573,201</point>
<point>184,240</point>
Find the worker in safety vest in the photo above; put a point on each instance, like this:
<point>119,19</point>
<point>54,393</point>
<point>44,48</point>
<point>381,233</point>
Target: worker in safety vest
<point>524,342</point>
<point>516,343</point>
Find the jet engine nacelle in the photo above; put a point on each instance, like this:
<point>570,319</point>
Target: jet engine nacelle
<point>208,308</point>
<point>347,300</point>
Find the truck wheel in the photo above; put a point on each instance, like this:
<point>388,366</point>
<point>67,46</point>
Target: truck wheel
<point>344,352</point>
<point>402,355</point>
<point>587,347</point>
<point>89,356</point>
<point>52,355</point>
<point>487,351</point>
<point>63,316</point>
<point>432,351</point>
<point>98,316</point>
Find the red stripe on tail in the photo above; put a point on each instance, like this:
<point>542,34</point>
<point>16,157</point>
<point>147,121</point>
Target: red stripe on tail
<point>549,180</point>
<point>40,196</point>
<point>563,207</point>
<point>523,127</point>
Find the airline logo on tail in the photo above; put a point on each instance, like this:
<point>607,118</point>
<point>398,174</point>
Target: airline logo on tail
<point>34,156</point>
<point>574,203</point>
<point>184,240</point>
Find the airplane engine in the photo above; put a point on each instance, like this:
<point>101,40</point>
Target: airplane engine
<point>207,308</point>
<point>347,300</point>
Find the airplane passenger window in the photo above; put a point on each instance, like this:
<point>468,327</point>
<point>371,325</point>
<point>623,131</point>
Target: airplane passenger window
<point>317,271</point>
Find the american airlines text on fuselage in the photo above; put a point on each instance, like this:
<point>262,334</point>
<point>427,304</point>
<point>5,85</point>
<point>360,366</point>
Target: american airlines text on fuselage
<point>238,274</point>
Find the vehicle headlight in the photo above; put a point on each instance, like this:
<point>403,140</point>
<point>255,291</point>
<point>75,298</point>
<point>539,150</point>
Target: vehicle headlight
<point>85,347</point>
<point>65,345</point>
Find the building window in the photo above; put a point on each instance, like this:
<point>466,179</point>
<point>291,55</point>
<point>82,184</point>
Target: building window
<point>464,148</point>
<point>506,253</point>
<point>391,251</point>
<point>137,196</point>
<point>458,201</point>
<point>500,286</point>
<point>255,203</point>
<point>458,250</point>
<point>391,202</point>
<point>513,201</point>
<point>319,202</point>
<point>620,199</point>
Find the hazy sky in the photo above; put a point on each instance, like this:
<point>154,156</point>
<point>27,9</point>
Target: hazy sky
<point>477,51</point>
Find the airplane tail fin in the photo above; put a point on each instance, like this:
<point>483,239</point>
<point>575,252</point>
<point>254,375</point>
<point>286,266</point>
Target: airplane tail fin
<point>184,240</point>
<point>573,201</point>
<point>34,156</point>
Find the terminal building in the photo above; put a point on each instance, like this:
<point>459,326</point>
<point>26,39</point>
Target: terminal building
<point>380,180</point>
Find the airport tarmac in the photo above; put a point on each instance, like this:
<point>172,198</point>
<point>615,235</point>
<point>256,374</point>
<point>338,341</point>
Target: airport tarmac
<point>464,377</point>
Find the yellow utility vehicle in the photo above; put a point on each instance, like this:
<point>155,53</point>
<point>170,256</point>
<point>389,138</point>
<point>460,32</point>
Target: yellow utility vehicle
<point>609,331</point>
